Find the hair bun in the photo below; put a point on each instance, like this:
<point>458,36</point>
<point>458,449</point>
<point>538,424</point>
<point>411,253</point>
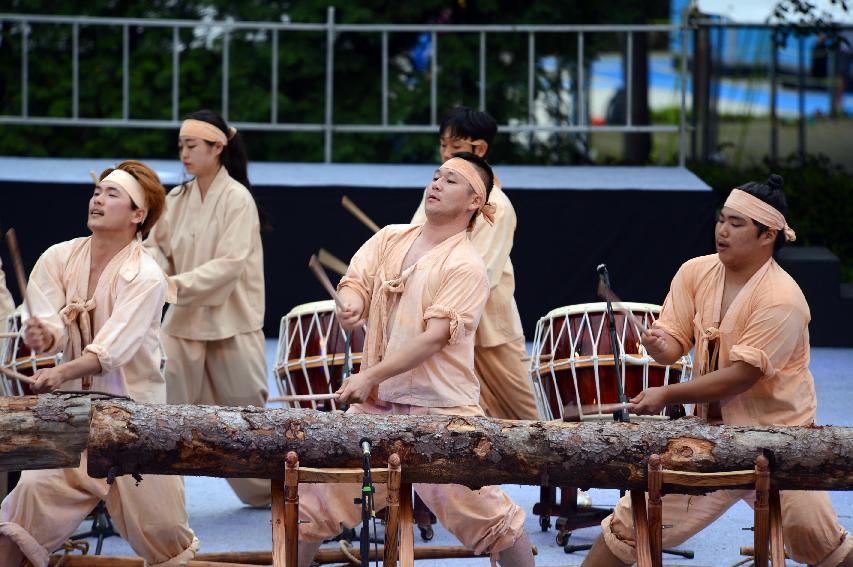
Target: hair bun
<point>775,181</point>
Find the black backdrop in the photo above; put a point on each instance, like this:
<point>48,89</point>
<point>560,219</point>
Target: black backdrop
<point>563,234</point>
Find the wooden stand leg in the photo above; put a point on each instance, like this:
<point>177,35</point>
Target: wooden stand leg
<point>762,511</point>
<point>278,520</point>
<point>777,547</point>
<point>407,536</point>
<point>392,519</point>
<point>655,511</point>
<point>291,510</point>
<point>641,528</point>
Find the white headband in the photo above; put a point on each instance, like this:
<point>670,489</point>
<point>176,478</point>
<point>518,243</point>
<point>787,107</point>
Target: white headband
<point>131,186</point>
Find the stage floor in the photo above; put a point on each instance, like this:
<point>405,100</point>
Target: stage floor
<point>223,524</point>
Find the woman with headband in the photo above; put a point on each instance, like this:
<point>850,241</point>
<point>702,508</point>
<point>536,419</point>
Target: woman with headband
<point>748,321</point>
<point>99,299</point>
<point>209,244</point>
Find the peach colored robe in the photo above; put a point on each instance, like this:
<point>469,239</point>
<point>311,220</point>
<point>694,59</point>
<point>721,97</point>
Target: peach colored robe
<point>211,250</point>
<point>501,361</point>
<point>501,322</point>
<point>448,282</point>
<point>765,326</point>
<point>123,317</point>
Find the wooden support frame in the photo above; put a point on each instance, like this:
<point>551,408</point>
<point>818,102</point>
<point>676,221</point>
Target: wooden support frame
<point>768,543</point>
<point>285,509</point>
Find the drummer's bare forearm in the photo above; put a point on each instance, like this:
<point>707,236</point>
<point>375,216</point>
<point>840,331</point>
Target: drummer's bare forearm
<point>86,365</point>
<point>416,352</point>
<point>349,296</point>
<point>715,386</point>
<point>671,353</point>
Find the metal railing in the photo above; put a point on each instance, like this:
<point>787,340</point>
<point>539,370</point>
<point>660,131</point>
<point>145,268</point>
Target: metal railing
<point>328,127</point>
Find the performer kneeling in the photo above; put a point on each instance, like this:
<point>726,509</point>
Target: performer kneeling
<point>749,321</point>
<point>98,299</point>
<point>422,289</point>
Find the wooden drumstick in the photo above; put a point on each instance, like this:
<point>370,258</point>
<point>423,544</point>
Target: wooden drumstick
<point>95,179</point>
<point>607,294</point>
<point>304,398</point>
<point>18,265</point>
<point>315,266</point>
<point>571,412</point>
<point>332,262</point>
<point>359,214</point>
<point>16,376</point>
<point>9,335</point>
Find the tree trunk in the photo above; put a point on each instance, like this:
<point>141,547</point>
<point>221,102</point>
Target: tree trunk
<point>43,432</point>
<point>127,437</point>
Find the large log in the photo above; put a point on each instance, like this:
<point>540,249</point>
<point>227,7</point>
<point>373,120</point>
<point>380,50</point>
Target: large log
<point>127,437</point>
<point>43,432</point>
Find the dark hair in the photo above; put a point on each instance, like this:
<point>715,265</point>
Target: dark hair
<point>486,175</point>
<point>770,192</point>
<point>464,122</point>
<point>233,157</point>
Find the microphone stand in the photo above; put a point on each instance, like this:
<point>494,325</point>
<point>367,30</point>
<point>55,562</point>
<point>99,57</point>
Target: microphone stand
<point>366,499</point>
<point>621,414</point>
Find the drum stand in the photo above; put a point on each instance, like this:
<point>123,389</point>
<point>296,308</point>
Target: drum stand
<point>570,519</point>
<point>102,527</point>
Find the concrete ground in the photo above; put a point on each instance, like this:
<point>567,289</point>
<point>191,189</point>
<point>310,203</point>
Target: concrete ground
<point>223,524</point>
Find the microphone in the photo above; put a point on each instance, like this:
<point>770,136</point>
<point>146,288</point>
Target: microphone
<point>365,446</point>
<point>603,275</point>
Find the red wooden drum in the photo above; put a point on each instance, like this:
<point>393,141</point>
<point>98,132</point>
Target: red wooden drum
<point>16,356</point>
<point>572,360</point>
<point>311,352</point>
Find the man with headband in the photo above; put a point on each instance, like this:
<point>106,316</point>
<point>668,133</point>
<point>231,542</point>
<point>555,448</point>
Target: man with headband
<point>98,299</point>
<point>500,358</point>
<point>422,289</point>
<point>748,321</point>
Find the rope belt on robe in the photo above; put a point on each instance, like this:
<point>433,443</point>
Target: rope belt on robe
<point>78,322</point>
<point>707,359</point>
<point>377,333</point>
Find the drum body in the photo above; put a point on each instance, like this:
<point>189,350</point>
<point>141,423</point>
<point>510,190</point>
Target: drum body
<point>15,355</point>
<point>311,353</point>
<point>572,361</point>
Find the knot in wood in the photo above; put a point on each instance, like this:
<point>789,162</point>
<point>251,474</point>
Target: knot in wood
<point>459,425</point>
<point>294,431</point>
<point>483,448</point>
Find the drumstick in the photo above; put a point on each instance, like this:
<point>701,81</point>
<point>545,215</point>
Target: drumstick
<point>304,398</point>
<point>607,294</point>
<point>331,262</point>
<point>359,214</point>
<point>16,376</point>
<point>18,265</point>
<point>9,335</point>
<point>315,266</point>
<point>94,177</point>
<point>571,412</point>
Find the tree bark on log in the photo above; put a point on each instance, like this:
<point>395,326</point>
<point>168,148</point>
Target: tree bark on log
<point>43,432</point>
<point>127,437</point>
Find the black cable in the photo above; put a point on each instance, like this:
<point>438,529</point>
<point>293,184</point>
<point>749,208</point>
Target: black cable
<point>622,414</point>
